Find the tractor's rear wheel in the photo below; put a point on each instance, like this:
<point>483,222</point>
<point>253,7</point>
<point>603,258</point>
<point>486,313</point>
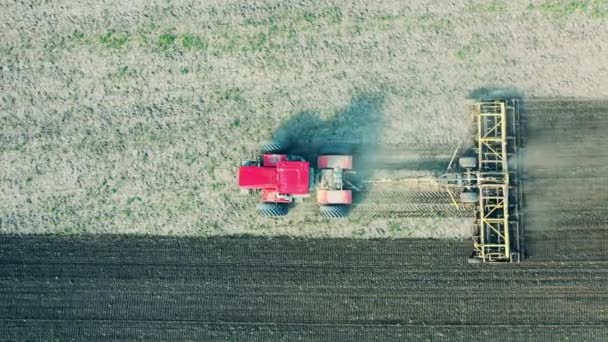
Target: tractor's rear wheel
<point>273,147</point>
<point>335,149</point>
<point>334,211</point>
<point>469,197</point>
<point>467,162</point>
<point>272,209</point>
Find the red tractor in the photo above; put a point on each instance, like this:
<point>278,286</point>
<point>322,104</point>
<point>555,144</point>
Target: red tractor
<point>282,179</point>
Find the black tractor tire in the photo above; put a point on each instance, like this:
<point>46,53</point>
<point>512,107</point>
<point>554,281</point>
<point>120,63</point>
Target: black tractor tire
<point>469,197</point>
<point>335,149</point>
<point>273,147</point>
<point>334,211</point>
<point>250,163</point>
<point>467,162</point>
<point>272,209</point>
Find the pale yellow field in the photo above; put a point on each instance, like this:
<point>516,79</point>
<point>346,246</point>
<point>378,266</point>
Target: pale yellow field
<point>132,117</point>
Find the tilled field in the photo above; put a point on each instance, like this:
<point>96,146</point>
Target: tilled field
<point>62,289</point>
<point>566,177</point>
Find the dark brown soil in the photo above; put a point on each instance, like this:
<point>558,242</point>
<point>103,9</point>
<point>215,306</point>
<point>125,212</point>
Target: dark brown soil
<point>566,178</point>
<point>108,288</point>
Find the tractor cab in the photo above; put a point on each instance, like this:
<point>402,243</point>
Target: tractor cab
<point>293,177</point>
<point>278,177</point>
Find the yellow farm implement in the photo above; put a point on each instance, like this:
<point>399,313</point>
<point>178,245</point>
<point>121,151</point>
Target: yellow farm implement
<point>488,179</point>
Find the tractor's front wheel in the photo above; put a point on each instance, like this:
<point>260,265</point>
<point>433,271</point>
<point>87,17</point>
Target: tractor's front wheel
<point>273,147</point>
<point>334,211</point>
<point>272,209</point>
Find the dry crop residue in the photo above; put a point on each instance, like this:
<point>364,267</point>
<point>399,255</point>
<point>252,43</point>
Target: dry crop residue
<point>132,118</point>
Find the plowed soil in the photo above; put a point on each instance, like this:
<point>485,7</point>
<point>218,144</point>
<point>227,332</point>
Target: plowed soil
<point>124,289</point>
<point>565,163</point>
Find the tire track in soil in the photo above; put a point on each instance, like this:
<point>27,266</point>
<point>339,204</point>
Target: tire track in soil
<point>398,201</point>
<point>257,289</point>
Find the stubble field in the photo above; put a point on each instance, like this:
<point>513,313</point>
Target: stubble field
<point>132,117</point>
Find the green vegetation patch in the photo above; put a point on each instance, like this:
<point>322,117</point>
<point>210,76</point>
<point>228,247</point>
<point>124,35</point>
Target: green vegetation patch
<point>167,40</point>
<point>467,52</point>
<point>494,6</point>
<point>560,8</point>
<point>114,39</point>
<point>193,42</point>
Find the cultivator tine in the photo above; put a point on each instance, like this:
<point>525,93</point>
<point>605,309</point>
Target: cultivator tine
<point>454,202</point>
<point>454,155</point>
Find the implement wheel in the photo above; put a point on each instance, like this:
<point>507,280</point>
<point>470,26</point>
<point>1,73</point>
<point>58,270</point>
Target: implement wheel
<point>334,211</point>
<point>467,162</point>
<point>469,197</point>
<point>272,209</point>
<point>473,260</point>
